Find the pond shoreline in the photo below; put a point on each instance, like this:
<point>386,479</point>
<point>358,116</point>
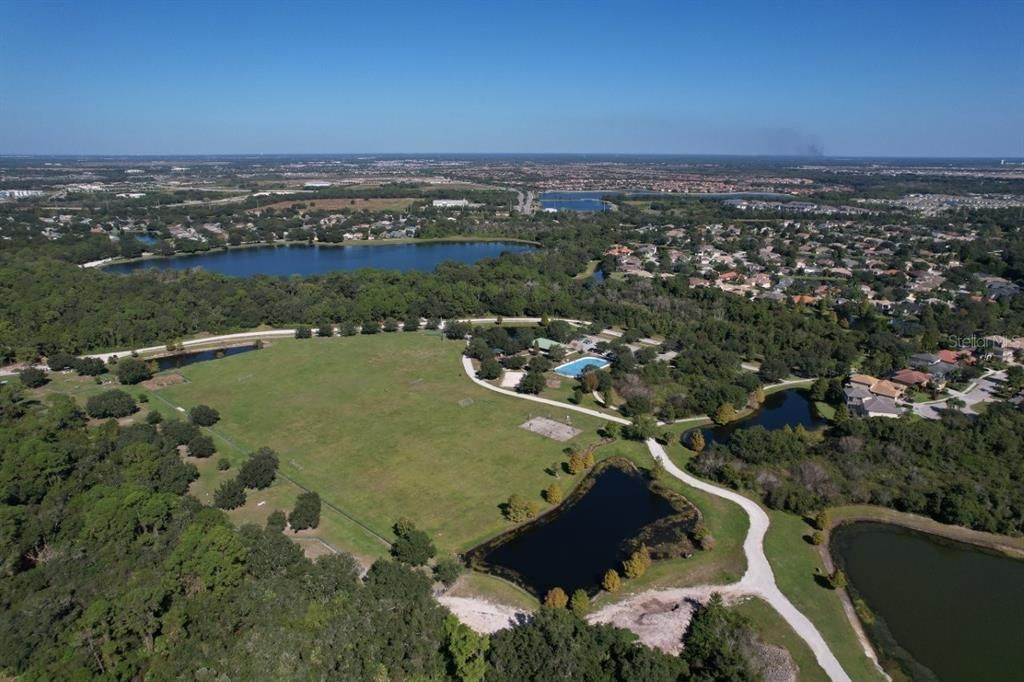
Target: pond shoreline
<point>1003,545</point>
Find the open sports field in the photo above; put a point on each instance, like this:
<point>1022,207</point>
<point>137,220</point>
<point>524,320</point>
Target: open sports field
<point>380,426</point>
<point>353,204</point>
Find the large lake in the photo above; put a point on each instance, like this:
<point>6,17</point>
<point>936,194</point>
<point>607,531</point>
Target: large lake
<point>592,201</point>
<point>944,610</point>
<point>316,260</point>
<point>785,408</point>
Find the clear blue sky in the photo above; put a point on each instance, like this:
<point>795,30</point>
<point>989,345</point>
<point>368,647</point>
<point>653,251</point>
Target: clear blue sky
<point>893,77</point>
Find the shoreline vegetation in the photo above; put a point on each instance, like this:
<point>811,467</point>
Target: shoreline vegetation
<point>1005,545</point>
<point>455,239</point>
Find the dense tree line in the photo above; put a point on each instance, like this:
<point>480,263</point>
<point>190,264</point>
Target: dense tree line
<point>109,570</point>
<point>957,470</point>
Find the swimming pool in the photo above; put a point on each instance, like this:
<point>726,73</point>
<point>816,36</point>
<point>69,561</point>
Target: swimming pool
<point>575,368</point>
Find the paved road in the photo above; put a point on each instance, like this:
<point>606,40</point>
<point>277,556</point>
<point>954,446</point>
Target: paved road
<point>984,390</point>
<point>759,579</point>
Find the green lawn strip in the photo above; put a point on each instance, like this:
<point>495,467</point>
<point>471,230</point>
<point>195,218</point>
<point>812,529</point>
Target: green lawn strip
<point>773,629</point>
<point>824,410</point>
<point>492,588</point>
<point>589,270</point>
<point>795,562</point>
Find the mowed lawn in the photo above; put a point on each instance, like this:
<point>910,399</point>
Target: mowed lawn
<point>385,426</point>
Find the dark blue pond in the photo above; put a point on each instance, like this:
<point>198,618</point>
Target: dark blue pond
<point>185,359</point>
<point>572,548</point>
<point>793,407</point>
<point>315,260</point>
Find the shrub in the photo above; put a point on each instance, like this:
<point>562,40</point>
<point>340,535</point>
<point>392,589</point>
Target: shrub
<point>90,367</point>
<point>223,464</point>
<point>637,564</point>
<point>347,329</point>
<point>413,546</point>
<point>517,509</point>
<point>179,432</point>
<point>703,537</point>
<point>201,446</point>
<point>325,330</point>
<point>113,403</point>
<point>230,495</point>
<point>611,581</point>
<point>203,415</point>
<point>132,371</point>
<point>411,324</point>
<point>60,361</point>
<point>33,377</point>
<point>489,369</point>
<point>259,470</point>
<point>154,417</point>
<point>837,580</point>
<point>391,325</point>
<point>556,598</point>
<point>553,494</point>
<point>277,521</point>
<point>580,602</point>
<point>448,570</point>
<point>306,513</point>
<point>822,520</point>
<point>303,333</point>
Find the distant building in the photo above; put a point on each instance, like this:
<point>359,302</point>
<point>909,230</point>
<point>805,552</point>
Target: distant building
<point>450,203</point>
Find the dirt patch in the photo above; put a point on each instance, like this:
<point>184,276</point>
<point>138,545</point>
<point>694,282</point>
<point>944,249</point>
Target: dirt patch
<point>313,547</point>
<point>162,381</point>
<point>483,616</point>
<point>549,428</point>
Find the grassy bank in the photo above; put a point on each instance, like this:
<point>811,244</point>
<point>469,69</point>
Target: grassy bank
<point>1004,544</point>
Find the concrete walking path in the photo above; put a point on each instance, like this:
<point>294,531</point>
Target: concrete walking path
<point>758,580</point>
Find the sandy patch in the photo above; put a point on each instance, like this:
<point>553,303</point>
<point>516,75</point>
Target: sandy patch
<point>658,617</point>
<point>511,378</point>
<point>483,616</point>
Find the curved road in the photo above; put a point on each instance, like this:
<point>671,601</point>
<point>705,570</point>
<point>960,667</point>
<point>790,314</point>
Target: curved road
<point>758,580</point>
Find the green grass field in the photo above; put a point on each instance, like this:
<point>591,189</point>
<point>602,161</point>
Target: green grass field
<point>385,426</point>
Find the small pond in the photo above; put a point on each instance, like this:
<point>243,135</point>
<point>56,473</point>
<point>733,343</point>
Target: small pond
<point>793,407</point>
<point>184,359</point>
<point>593,530</point>
<point>943,610</point>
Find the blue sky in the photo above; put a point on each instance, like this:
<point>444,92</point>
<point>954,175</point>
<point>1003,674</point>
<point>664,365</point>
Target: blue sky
<point>868,78</point>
